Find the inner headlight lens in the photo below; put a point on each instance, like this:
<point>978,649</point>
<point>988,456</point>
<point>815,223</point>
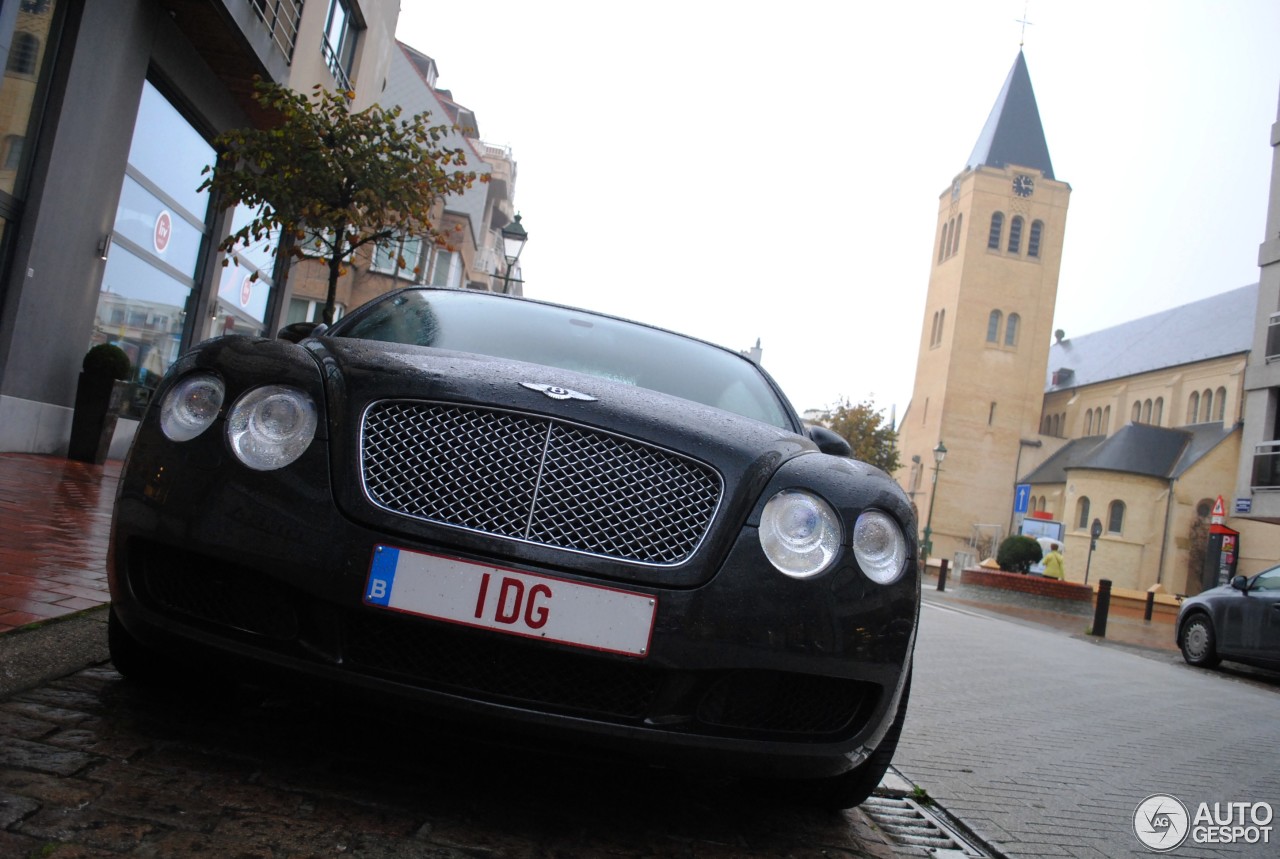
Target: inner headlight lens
<point>271,426</point>
<point>191,406</point>
<point>799,533</point>
<point>879,547</point>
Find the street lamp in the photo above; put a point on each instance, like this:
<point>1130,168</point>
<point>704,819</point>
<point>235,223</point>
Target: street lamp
<point>513,238</point>
<point>939,454</point>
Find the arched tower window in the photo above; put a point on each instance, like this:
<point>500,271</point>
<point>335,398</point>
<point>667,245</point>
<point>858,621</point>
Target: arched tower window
<point>1033,240</point>
<point>1146,412</point>
<point>942,243</point>
<point>1015,234</point>
<point>1193,407</point>
<point>1011,330</point>
<point>1222,404</point>
<point>1088,422</point>
<point>23,54</point>
<point>955,237</point>
<point>1157,413</point>
<point>993,326</point>
<point>1082,512</point>
<point>1136,417</point>
<point>997,227</point>
<point>1206,406</point>
<point>1106,421</point>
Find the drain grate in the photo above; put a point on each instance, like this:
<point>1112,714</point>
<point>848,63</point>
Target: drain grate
<point>909,824</point>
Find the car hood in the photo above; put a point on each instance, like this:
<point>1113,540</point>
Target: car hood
<point>743,452</point>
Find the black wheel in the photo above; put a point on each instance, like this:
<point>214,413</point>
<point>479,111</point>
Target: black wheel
<point>133,659</point>
<point>1197,642</point>
<point>854,787</point>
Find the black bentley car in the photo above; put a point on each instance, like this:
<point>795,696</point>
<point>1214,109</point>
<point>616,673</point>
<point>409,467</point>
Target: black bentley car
<point>530,516</point>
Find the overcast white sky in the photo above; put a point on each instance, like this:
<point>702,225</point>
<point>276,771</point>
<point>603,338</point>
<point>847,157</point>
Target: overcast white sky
<point>743,170</point>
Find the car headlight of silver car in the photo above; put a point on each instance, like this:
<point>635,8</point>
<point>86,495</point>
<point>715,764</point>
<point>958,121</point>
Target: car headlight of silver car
<point>879,547</point>
<point>271,426</point>
<point>800,533</point>
<point>191,406</point>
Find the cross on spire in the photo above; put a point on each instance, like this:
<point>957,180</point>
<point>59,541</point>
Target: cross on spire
<point>1022,40</point>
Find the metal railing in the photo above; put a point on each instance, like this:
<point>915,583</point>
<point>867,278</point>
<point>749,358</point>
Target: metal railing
<point>281,18</point>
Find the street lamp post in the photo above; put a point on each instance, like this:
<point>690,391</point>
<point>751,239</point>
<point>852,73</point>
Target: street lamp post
<point>939,454</point>
<point>513,238</point>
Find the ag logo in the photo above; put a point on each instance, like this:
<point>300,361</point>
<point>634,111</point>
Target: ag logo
<point>1161,822</point>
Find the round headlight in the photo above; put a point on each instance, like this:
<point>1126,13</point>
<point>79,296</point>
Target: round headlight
<point>190,406</point>
<point>879,547</point>
<point>799,533</point>
<point>271,426</point>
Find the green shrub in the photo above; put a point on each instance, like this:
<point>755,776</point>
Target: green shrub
<point>1018,553</point>
<point>106,360</point>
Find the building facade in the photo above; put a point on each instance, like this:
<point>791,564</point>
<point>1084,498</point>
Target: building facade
<point>108,110</point>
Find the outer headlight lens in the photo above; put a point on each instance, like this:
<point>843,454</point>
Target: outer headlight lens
<point>799,533</point>
<point>879,547</point>
<point>271,426</point>
<point>191,406</point>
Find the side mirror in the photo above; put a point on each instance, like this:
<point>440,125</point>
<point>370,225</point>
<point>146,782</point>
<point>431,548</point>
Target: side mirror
<point>296,332</point>
<point>828,442</point>
<point>1240,583</point>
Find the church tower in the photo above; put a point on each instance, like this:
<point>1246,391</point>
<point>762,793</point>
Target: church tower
<point>984,347</point>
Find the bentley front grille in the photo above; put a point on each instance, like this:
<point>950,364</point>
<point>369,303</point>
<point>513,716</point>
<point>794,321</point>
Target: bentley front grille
<point>536,479</point>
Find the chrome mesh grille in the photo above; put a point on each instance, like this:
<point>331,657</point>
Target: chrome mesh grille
<point>535,479</point>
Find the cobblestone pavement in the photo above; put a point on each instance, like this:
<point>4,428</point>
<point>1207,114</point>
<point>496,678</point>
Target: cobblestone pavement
<point>92,766</point>
<point>1044,742</point>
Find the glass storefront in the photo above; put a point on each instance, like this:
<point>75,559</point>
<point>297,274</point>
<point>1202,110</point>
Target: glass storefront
<point>154,260</point>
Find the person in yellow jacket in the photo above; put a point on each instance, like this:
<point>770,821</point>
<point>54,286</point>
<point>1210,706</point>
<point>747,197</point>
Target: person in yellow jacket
<point>1053,562</point>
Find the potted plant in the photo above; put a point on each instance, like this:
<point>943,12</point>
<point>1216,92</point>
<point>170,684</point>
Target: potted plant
<point>99,397</point>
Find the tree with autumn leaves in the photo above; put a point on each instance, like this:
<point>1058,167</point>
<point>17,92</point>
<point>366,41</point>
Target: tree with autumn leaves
<point>874,440</point>
<point>333,180</point>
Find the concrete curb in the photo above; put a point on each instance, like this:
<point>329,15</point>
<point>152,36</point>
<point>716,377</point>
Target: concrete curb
<point>34,654</point>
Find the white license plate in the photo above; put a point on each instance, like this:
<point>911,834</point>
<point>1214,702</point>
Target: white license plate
<point>511,602</point>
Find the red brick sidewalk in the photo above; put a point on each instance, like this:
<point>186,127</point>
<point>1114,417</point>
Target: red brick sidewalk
<point>55,518</point>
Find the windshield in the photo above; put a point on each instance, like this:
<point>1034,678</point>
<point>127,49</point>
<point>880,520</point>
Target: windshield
<point>572,340</point>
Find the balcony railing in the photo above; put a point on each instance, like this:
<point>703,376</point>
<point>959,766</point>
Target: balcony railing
<point>1266,465</point>
<point>281,18</point>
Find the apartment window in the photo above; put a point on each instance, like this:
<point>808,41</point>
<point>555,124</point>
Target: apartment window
<point>447,270</point>
<point>1033,241</point>
<point>339,44</point>
<point>400,258</point>
<point>993,326</point>
<point>997,227</point>
<point>309,310</point>
<point>1011,330</point>
<point>1082,512</point>
<point>1015,235</point>
<point>12,152</point>
<point>1222,404</point>
<point>1115,517</point>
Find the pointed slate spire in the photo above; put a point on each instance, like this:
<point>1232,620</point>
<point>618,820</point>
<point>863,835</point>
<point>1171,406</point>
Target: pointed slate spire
<point>1013,133</point>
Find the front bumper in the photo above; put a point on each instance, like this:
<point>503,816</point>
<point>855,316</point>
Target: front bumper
<point>759,672</point>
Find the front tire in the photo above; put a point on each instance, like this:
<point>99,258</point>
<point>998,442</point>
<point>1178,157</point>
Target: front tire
<point>134,660</point>
<point>1198,642</point>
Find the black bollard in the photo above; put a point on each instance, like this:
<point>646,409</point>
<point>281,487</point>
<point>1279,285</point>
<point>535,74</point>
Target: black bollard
<point>942,576</point>
<point>1151,605</point>
<point>1103,606</point>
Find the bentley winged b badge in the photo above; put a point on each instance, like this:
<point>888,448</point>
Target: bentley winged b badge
<point>555,392</point>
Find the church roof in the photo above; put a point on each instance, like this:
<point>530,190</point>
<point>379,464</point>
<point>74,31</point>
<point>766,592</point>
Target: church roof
<point>1209,328</point>
<point>1142,449</point>
<point>1013,133</point>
